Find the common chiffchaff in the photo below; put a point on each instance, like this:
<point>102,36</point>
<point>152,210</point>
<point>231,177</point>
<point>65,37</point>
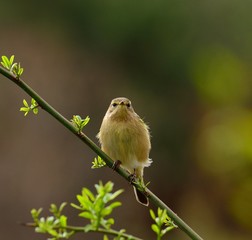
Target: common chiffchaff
<point>125,137</point>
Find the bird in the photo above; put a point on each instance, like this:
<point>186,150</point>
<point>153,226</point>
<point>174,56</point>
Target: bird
<point>125,138</point>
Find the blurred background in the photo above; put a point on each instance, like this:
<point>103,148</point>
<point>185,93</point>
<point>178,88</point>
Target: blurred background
<point>186,66</point>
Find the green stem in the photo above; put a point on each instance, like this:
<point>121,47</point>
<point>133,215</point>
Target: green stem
<point>109,162</point>
<point>104,231</point>
<point>77,229</point>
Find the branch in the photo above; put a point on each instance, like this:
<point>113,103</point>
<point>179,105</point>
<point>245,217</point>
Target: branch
<point>99,230</point>
<point>104,231</point>
<point>109,162</point>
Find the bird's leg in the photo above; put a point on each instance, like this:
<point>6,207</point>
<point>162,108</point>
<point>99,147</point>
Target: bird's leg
<point>116,165</point>
<point>132,177</point>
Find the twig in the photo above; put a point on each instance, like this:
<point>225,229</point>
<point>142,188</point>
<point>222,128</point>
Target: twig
<point>99,230</point>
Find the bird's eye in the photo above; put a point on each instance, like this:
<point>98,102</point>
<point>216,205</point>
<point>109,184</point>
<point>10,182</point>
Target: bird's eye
<point>114,104</point>
<point>128,105</point>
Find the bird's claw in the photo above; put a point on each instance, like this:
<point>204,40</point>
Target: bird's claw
<point>132,178</point>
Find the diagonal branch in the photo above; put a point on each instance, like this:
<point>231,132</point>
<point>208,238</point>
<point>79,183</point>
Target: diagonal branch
<point>109,162</point>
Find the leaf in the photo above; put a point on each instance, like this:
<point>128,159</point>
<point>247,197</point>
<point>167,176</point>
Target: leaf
<point>98,163</point>
<point>24,109</point>
<point>5,62</point>
<point>115,194</point>
<point>105,237</point>
<point>107,223</point>
<point>63,221</point>
<point>87,215</point>
<point>164,216</point>
<point>167,229</point>
<point>155,228</point>
<point>20,71</point>
<point>33,102</point>
<point>88,193</point>
<point>106,211</point>
<point>62,206</point>
<point>159,212</point>
<point>11,59</point>
<point>35,111</point>
<point>152,215</point>
<point>76,206</point>
<point>85,121</point>
<point>115,204</point>
<point>52,232</point>
<point>25,103</point>
<point>88,228</point>
<point>35,213</point>
<point>79,123</point>
<point>109,186</point>
<point>53,208</point>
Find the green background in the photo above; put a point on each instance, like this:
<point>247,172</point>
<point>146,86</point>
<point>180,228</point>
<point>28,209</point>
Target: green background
<point>185,65</point>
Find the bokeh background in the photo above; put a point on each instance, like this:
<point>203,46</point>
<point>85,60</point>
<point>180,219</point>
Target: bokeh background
<point>186,66</point>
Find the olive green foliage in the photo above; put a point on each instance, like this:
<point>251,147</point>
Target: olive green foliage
<point>98,162</point>
<point>163,223</point>
<point>54,225</point>
<point>96,209</point>
<point>79,122</point>
<point>27,108</point>
<point>13,67</point>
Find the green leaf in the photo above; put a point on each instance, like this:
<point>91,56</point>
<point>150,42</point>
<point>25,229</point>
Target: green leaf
<point>25,103</point>
<point>35,111</point>
<point>155,228</point>
<point>105,237</point>
<point>24,109</point>
<point>35,213</point>
<point>98,163</point>
<point>79,123</point>
<point>33,102</point>
<point>95,208</point>
<point>20,71</point>
<point>87,215</point>
<point>11,59</point>
<point>53,208</point>
<point>152,214</point>
<point>88,193</point>
<point>106,211</point>
<point>5,62</point>
<point>115,204</point>
<point>109,222</point>
<point>115,194</point>
<point>63,221</point>
<point>62,206</point>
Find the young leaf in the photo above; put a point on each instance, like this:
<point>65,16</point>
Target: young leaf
<point>5,62</point>
<point>155,228</point>
<point>25,103</point>
<point>11,59</point>
<point>35,111</point>
<point>98,163</point>
<point>79,123</point>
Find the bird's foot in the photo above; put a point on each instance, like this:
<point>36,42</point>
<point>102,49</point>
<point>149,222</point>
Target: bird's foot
<point>132,177</point>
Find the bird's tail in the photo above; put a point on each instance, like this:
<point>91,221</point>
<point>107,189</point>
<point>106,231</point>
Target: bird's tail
<point>140,197</point>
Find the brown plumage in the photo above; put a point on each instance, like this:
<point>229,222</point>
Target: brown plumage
<point>125,137</point>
